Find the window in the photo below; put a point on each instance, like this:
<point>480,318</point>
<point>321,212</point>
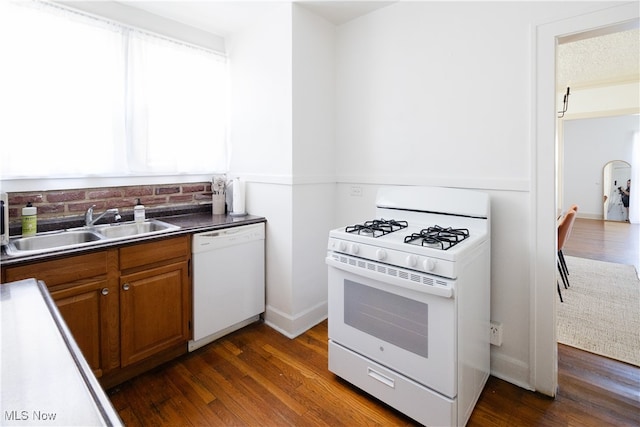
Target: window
<point>82,96</point>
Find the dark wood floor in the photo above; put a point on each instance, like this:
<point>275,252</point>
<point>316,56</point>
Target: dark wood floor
<point>258,377</point>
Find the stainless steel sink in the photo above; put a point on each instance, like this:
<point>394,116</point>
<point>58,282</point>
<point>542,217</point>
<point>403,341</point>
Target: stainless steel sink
<point>129,229</point>
<point>52,241</point>
<point>78,237</point>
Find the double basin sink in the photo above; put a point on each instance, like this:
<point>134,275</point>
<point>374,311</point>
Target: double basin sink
<point>83,236</point>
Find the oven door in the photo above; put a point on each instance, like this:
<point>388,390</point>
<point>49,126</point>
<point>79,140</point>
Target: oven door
<point>407,330</point>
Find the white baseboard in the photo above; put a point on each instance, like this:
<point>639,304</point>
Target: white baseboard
<point>292,326</point>
<point>587,215</point>
<point>511,370</point>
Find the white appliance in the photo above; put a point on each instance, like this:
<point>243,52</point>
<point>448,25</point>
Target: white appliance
<point>228,281</point>
<point>409,296</point>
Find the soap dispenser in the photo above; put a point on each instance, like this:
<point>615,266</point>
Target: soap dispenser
<point>29,220</point>
<point>138,212</point>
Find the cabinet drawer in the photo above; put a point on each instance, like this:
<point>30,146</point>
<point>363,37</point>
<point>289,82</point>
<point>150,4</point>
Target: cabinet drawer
<point>154,252</point>
<point>407,396</point>
<point>64,270</point>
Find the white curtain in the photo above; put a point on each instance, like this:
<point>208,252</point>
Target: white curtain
<point>634,198</point>
<point>56,103</point>
<point>83,96</point>
<point>169,112</point>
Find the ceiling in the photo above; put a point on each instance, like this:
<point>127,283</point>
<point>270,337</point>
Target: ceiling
<point>600,56</point>
<point>601,59</point>
<point>225,17</point>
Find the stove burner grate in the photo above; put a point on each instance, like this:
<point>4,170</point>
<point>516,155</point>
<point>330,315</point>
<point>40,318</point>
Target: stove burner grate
<point>438,237</point>
<point>377,227</point>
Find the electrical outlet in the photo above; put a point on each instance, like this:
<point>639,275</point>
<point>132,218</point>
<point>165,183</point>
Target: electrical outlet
<point>495,334</point>
<point>356,191</point>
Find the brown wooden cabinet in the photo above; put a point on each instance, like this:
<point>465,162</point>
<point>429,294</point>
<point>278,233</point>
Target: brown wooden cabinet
<point>155,300</point>
<point>153,312</point>
<point>128,308</point>
<point>85,289</point>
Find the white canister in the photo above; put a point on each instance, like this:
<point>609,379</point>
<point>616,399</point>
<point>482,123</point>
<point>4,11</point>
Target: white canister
<point>238,198</point>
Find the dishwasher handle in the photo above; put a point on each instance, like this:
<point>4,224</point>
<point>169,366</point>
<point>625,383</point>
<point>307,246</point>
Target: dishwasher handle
<point>226,237</point>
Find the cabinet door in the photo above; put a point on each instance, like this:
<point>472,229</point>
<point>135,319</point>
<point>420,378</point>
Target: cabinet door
<point>85,289</point>
<point>154,311</point>
<point>89,310</point>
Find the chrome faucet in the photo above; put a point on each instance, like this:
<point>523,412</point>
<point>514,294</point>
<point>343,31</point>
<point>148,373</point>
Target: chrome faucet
<point>88,216</point>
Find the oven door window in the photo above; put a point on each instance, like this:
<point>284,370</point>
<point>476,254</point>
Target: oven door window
<point>389,317</point>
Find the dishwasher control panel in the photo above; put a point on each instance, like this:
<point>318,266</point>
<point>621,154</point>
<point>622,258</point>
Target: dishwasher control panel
<point>227,236</point>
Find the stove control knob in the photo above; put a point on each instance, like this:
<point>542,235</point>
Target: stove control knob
<point>381,254</point>
<point>429,264</point>
<point>342,246</point>
<point>411,261</point>
<point>355,249</point>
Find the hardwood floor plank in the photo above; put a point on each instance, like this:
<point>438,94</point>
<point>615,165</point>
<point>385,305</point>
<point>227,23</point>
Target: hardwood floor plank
<point>264,382</point>
<point>185,380</point>
<point>608,241</point>
<point>199,368</point>
<point>236,402</point>
<point>612,388</point>
<point>266,406</point>
<point>144,402</point>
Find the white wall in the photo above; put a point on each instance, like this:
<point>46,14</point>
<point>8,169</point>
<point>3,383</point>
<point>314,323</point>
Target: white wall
<point>282,135</point>
<point>313,53</point>
<point>261,91</point>
<point>260,135</point>
<point>588,145</point>
<point>599,100</point>
<point>313,163</point>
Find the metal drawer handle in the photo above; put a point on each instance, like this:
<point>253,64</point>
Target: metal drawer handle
<point>389,382</point>
<point>105,291</point>
<point>125,286</point>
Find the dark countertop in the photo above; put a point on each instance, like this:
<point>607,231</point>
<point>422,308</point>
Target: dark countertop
<point>189,223</point>
<point>45,378</point>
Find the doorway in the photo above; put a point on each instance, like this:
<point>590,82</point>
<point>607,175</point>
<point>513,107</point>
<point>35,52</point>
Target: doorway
<point>543,345</point>
<point>599,116</point>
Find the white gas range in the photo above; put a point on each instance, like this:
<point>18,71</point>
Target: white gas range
<point>409,295</point>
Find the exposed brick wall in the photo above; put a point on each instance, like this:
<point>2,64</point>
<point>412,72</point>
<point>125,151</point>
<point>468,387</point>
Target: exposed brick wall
<point>74,202</point>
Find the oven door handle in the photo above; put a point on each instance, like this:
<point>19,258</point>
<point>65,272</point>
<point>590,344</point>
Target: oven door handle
<point>427,289</point>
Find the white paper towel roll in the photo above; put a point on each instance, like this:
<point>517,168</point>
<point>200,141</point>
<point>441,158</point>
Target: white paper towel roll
<point>238,197</point>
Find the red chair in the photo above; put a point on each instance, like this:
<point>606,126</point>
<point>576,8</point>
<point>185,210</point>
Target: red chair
<point>564,230</point>
<point>563,263</point>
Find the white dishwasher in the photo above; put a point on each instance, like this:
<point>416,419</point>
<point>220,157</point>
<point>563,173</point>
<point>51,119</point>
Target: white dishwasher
<point>228,281</point>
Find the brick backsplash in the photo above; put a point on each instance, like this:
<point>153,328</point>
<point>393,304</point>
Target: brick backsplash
<point>74,202</point>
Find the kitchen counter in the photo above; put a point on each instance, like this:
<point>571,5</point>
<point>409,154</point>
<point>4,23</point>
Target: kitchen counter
<point>189,223</point>
<point>45,380</point>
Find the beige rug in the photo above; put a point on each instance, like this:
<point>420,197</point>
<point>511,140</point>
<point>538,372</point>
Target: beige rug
<point>601,309</point>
